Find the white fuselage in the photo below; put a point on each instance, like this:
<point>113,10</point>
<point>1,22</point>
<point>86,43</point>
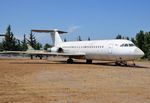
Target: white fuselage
<point>113,50</point>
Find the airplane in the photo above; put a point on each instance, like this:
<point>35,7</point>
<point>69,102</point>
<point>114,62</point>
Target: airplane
<point>118,50</point>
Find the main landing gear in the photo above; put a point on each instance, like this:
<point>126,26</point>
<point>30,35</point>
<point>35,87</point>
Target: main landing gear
<point>133,63</point>
<point>123,63</point>
<point>120,63</point>
<point>88,61</point>
<point>40,56</point>
<point>31,56</point>
<point>69,61</point>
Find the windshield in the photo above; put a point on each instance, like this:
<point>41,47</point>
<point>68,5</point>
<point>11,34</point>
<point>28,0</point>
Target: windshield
<point>127,45</point>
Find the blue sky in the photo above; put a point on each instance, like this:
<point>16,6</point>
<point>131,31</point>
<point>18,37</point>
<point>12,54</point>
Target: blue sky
<point>98,19</point>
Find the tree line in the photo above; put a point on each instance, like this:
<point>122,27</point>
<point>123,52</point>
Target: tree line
<point>10,43</point>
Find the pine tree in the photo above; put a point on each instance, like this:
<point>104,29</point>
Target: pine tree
<point>1,47</point>
<point>38,46</point>
<point>24,43</point>
<point>17,45</point>
<point>79,38</point>
<point>46,46</point>
<point>140,40</point>
<point>133,40</point>
<point>127,38</point>
<point>65,39</point>
<point>32,40</point>
<point>147,44</point>
<point>122,37</point>
<point>118,36</point>
<point>9,42</point>
<point>89,38</point>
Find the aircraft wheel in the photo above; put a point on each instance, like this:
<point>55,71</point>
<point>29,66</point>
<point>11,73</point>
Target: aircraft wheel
<point>121,63</point>
<point>69,61</point>
<point>88,61</point>
<point>31,56</point>
<point>125,63</point>
<point>134,64</point>
<point>40,56</point>
<point>117,63</point>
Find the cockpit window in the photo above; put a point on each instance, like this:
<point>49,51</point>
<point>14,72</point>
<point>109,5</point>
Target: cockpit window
<point>122,45</point>
<point>131,45</point>
<point>127,45</point>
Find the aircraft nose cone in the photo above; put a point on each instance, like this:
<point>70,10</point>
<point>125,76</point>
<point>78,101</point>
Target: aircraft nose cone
<point>138,52</point>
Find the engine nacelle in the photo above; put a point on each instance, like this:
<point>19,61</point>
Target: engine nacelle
<point>56,49</point>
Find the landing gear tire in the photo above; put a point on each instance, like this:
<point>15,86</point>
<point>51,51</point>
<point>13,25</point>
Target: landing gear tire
<point>134,64</point>
<point>40,56</point>
<point>121,63</point>
<point>88,61</point>
<point>69,61</point>
<point>31,56</point>
<point>125,63</point>
<point>117,63</point>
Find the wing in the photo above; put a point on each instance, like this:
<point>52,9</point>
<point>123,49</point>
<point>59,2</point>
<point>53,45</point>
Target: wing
<point>11,52</point>
<point>65,54</point>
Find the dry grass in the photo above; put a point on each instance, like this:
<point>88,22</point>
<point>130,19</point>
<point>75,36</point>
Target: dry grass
<point>42,81</point>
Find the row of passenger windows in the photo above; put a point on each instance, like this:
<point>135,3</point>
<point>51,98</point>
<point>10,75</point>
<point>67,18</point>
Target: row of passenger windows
<point>127,45</point>
<point>83,47</point>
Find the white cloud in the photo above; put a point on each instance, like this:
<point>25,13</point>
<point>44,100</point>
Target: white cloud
<point>73,28</point>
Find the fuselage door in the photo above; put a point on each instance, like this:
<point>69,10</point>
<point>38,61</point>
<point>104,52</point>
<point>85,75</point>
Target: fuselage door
<point>110,48</point>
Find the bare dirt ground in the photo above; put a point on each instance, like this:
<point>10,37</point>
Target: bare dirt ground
<point>45,81</point>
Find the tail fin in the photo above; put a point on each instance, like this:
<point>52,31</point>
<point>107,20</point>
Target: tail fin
<point>30,48</point>
<point>54,34</point>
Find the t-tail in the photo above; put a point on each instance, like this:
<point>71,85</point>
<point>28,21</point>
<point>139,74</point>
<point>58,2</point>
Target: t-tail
<point>55,34</point>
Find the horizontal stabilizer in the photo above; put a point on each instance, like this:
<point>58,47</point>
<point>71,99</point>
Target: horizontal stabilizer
<point>48,31</point>
<point>2,34</point>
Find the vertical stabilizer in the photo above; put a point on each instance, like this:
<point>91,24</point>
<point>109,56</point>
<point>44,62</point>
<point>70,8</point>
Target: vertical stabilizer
<point>55,34</point>
<point>56,38</point>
